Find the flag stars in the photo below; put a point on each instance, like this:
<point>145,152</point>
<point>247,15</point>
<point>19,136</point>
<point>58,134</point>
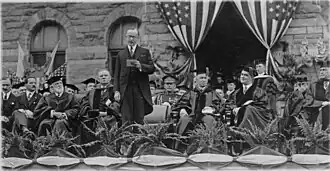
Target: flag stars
<point>170,21</point>
<point>179,11</point>
<point>186,15</point>
<point>278,6</point>
<point>178,4</point>
<point>271,9</point>
<point>168,13</point>
<point>180,19</point>
<point>284,1</point>
<point>174,7</point>
<point>289,14</point>
<point>186,7</point>
<point>283,10</point>
<point>176,15</point>
<point>277,14</point>
<point>166,5</point>
<point>290,5</point>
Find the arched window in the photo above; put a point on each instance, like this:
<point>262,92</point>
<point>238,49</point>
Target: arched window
<point>117,38</point>
<point>45,36</point>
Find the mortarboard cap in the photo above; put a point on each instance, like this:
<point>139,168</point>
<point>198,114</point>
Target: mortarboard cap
<point>16,86</point>
<point>73,87</point>
<point>300,78</point>
<point>55,79</point>
<point>169,76</point>
<point>259,61</point>
<point>230,80</point>
<point>199,71</point>
<point>90,80</point>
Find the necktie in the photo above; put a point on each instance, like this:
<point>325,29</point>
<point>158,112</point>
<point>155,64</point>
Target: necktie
<point>29,96</point>
<point>244,89</point>
<point>5,97</point>
<point>326,84</point>
<point>131,50</point>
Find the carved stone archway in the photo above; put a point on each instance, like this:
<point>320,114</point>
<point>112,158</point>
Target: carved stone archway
<point>52,15</point>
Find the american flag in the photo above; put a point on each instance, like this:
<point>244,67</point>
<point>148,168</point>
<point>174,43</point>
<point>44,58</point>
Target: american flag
<point>190,21</point>
<point>60,71</point>
<point>268,20</point>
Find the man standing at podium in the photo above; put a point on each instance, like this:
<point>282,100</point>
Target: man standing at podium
<point>131,80</point>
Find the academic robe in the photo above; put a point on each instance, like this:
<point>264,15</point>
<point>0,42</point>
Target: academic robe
<point>193,102</point>
<point>267,84</point>
<point>95,100</point>
<point>296,106</point>
<point>8,106</point>
<point>133,84</point>
<point>25,104</point>
<point>256,112</point>
<point>169,97</point>
<point>66,103</point>
<point>320,95</point>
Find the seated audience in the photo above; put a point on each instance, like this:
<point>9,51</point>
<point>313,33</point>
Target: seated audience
<point>26,103</point>
<point>249,102</point>
<point>197,106</point>
<point>320,108</point>
<point>57,111</point>
<point>8,104</point>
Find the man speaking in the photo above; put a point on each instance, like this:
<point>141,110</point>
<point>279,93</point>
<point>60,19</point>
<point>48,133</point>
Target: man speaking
<point>131,80</point>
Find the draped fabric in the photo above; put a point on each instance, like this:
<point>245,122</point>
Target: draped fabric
<point>190,21</point>
<point>268,20</point>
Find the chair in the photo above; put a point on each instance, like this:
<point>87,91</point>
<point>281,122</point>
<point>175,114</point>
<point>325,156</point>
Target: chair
<point>160,114</point>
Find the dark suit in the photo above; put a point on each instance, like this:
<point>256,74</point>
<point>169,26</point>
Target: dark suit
<point>8,106</point>
<point>23,103</point>
<point>320,95</point>
<point>66,103</point>
<point>133,85</point>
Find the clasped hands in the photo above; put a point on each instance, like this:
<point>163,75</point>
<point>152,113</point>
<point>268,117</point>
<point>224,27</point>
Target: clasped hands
<point>325,103</point>
<point>58,115</point>
<point>27,113</point>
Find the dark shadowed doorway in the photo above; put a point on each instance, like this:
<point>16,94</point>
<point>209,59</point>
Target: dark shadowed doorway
<point>229,44</point>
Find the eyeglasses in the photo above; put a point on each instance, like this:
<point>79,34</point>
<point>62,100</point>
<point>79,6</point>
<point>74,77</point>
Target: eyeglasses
<point>169,83</point>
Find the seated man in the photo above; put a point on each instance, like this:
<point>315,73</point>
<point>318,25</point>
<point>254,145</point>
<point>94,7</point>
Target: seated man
<point>249,102</point>
<point>26,103</point>
<point>296,105</point>
<point>71,89</point>
<point>320,90</point>
<point>169,96</point>
<point>196,104</point>
<point>57,111</point>
<point>100,103</point>
<point>267,84</point>
<point>8,104</point>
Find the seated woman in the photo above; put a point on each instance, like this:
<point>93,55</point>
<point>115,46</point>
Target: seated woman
<point>249,102</point>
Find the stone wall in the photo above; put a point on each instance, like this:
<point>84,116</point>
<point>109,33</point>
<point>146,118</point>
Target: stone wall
<point>311,21</point>
<point>87,26</point>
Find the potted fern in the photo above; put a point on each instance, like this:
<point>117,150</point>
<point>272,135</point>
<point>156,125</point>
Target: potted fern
<point>108,140</point>
<point>268,137</point>
<point>150,136</point>
<point>311,139</point>
<point>15,145</point>
<point>57,143</point>
<point>208,139</point>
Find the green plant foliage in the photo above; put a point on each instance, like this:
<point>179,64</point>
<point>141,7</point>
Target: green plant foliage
<point>311,136</point>
<point>149,136</point>
<point>10,139</point>
<point>208,137</point>
<point>269,136</point>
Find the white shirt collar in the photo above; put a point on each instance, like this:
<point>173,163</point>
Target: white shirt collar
<point>29,92</point>
<point>60,94</point>
<point>134,47</point>
<point>7,94</point>
<point>247,86</point>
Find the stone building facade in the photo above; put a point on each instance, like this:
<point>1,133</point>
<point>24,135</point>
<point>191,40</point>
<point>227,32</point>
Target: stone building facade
<point>90,29</point>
